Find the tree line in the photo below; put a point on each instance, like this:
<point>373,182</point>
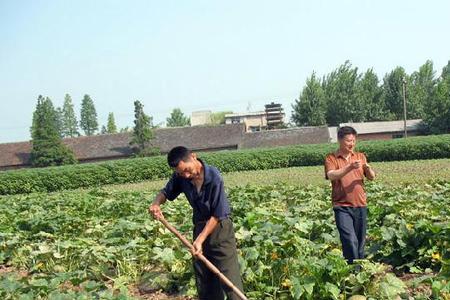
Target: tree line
<point>68,125</point>
<point>51,124</point>
<point>347,95</point>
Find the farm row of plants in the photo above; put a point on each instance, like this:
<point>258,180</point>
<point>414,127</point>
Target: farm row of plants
<point>102,244</point>
<point>139,169</point>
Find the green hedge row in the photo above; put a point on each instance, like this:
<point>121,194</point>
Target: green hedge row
<point>139,169</point>
<point>414,148</point>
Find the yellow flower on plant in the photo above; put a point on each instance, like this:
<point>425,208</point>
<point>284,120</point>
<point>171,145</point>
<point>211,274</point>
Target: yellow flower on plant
<point>409,226</point>
<point>274,255</point>
<point>286,283</point>
<point>336,251</point>
<point>436,256</point>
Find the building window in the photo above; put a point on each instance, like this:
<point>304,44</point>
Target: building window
<point>235,120</point>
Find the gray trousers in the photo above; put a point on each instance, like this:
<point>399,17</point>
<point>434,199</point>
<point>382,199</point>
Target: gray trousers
<point>220,249</point>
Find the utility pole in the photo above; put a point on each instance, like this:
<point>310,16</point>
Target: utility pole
<point>404,105</point>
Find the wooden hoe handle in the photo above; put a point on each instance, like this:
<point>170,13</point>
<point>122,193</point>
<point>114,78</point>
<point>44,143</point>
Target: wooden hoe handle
<point>202,258</point>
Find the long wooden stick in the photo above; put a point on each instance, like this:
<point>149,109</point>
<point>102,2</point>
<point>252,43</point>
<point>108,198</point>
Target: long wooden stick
<point>202,258</point>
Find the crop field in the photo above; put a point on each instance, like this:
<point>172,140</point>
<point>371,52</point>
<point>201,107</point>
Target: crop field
<point>389,173</point>
<point>100,243</point>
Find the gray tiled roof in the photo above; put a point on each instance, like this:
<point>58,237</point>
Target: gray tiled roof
<point>285,137</point>
<point>383,126</point>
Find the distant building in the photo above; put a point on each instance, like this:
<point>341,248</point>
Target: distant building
<point>201,118</point>
<point>253,121</point>
<point>274,115</point>
<point>383,130</point>
<point>271,118</point>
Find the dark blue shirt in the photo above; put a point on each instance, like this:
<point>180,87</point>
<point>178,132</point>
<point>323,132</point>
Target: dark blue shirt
<point>211,201</point>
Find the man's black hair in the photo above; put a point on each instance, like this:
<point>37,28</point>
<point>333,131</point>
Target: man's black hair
<point>343,131</point>
<point>176,155</point>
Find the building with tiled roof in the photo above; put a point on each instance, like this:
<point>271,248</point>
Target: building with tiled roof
<point>385,130</point>
<point>116,146</point>
<point>197,138</point>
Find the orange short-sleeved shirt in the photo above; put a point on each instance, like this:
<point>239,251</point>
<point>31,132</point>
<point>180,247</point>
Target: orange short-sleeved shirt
<point>349,190</point>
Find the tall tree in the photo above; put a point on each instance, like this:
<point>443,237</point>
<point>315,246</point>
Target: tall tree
<point>59,121</point>
<point>111,126</point>
<point>340,88</point>
<point>142,131</point>
<point>437,111</point>
<point>393,92</point>
<point>69,120</point>
<point>177,119</point>
<point>421,90</point>
<point>47,147</point>
<point>445,72</point>
<point>88,121</point>
<point>310,108</point>
<point>369,94</point>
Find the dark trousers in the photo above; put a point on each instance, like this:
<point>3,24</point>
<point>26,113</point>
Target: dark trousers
<point>351,223</point>
<point>220,249</point>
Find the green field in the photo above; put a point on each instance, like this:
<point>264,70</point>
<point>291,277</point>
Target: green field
<point>388,173</point>
<point>100,243</point>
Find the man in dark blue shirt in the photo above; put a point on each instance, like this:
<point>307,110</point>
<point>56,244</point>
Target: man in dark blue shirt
<point>213,231</point>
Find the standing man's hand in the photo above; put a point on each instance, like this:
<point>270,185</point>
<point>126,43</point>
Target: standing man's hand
<point>355,165</point>
<point>369,172</point>
<point>155,211</point>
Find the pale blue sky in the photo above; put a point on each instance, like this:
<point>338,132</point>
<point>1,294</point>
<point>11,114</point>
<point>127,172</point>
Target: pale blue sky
<point>196,55</point>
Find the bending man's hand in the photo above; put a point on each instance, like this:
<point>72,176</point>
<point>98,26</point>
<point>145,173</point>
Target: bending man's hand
<point>197,247</point>
<point>207,230</point>
<point>155,211</point>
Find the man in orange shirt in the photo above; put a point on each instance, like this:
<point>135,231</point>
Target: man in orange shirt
<point>346,169</point>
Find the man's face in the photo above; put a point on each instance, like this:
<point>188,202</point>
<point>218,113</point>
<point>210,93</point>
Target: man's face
<point>187,169</point>
<point>348,142</point>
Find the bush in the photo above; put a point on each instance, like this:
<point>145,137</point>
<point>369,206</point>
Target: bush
<point>152,168</point>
